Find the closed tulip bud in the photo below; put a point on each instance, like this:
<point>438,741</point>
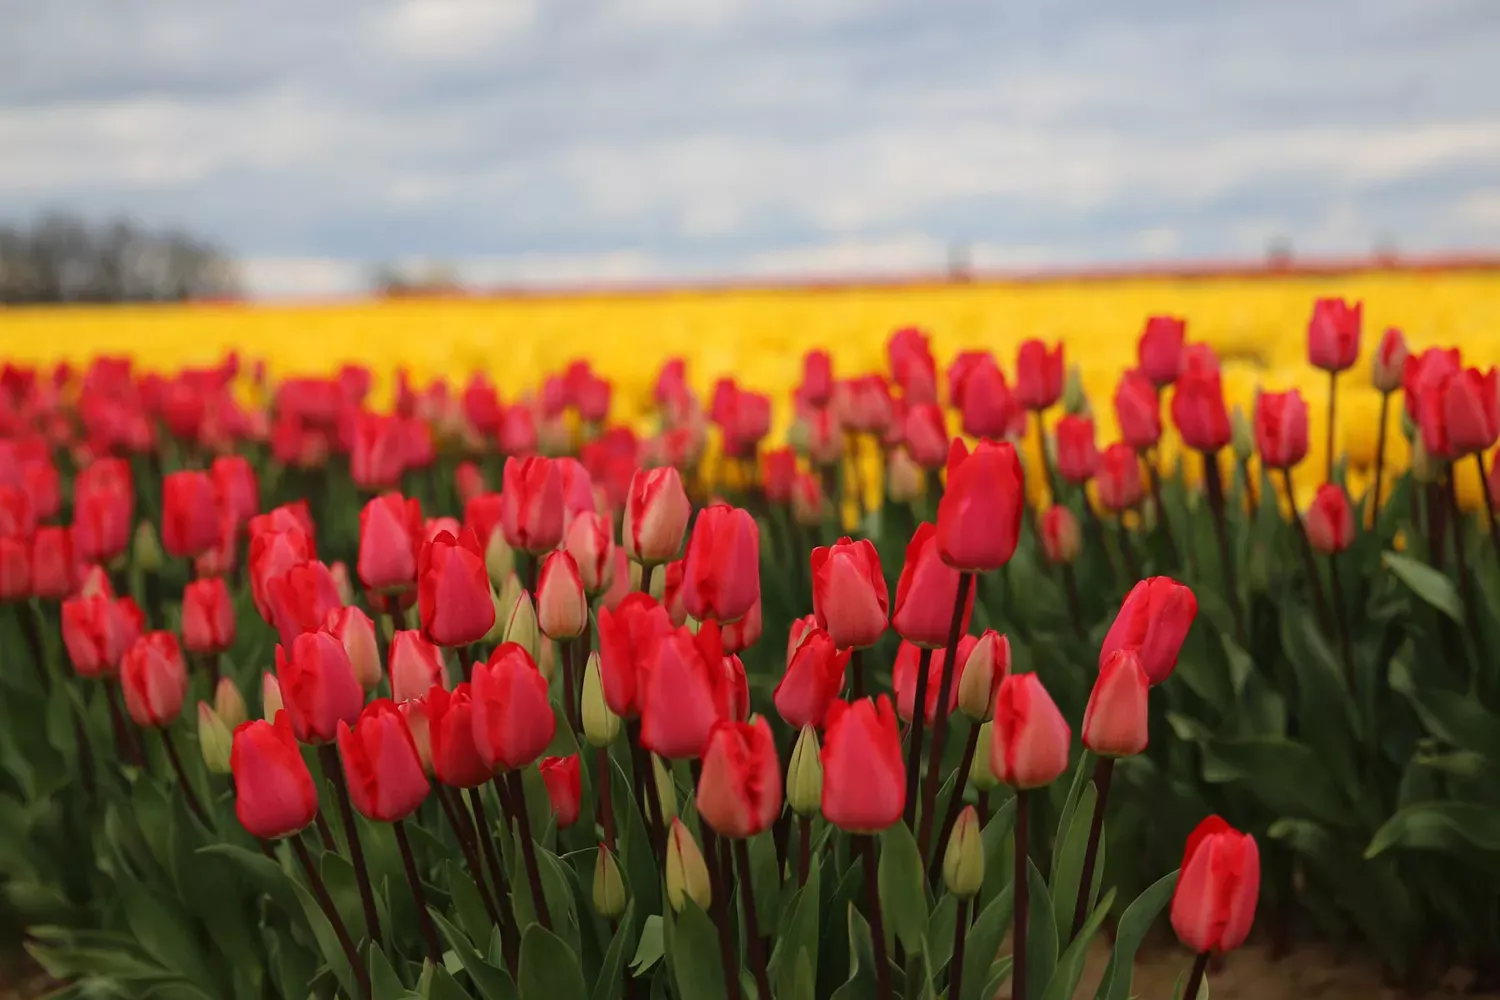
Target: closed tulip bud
<point>208,621</point>
<point>1029,744</point>
<point>340,573</point>
<point>1389,362</point>
<point>813,679</point>
<point>562,610</point>
<point>963,861</point>
<point>1424,468</point>
<point>145,548</point>
<point>739,788</point>
<point>1039,375</point>
<point>453,590</point>
<point>15,569</point>
<point>850,597</point>
<point>54,570</point>
<point>687,874</point>
<point>381,764</point>
<point>656,516</point>
<point>390,539</point>
<point>1329,520</point>
<point>721,572</point>
<point>1241,437</point>
<point>153,677</point>
<point>682,694</point>
<point>601,727</point>
<point>1077,454</point>
<point>979,515</point>
<point>1115,724</point>
<point>103,504</point>
<point>564,781</point>
<point>926,435</point>
<point>1333,334</point>
<point>1160,348</point>
<point>591,543</point>
<point>981,774</point>
<point>215,739</point>
<point>988,664</point>
<point>98,630</point>
<point>804,775</point>
<point>903,476</point>
<point>450,729</point>
<point>274,792</point>
<point>522,629</point>
<point>1138,410</point>
<point>1153,621</point>
<point>666,789</point>
<point>190,513</point>
<point>864,777</point>
<point>270,697</point>
<point>1213,905</point>
<point>229,704</point>
<point>318,686</point>
<point>419,721</point>
<point>1062,539</point>
<point>499,559</point>
<point>1281,428</point>
<point>1198,411</point>
<point>353,628</point>
<point>926,592</point>
<point>513,720</point>
<point>610,896</point>
<point>416,666</point>
<point>532,504</point>
<point>301,600</point>
<point>1074,399</point>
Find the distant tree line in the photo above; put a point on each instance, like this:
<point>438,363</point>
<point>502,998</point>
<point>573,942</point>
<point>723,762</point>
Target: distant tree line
<point>63,258</point>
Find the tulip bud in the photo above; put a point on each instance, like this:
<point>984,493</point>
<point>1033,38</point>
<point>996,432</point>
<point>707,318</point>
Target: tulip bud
<point>963,863</point>
<point>1074,400</point>
<point>986,667</point>
<point>1062,539</point>
<point>609,887</point>
<point>522,628</point>
<point>601,727</point>
<point>1241,435</point>
<point>270,696</point>
<point>981,774</point>
<point>903,476</point>
<point>419,723</point>
<point>1114,724</point>
<point>499,559</point>
<point>656,516</point>
<point>1329,520</point>
<point>1424,468</point>
<point>340,573</point>
<point>804,781</point>
<point>215,739</point>
<point>666,789</point>
<point>354,629</point>
<point>146,548</point>
<point>1029,748</point>
<point>562,609</point>
<point>687,874</point>
<point>229,704</point>
<point>1409,425</point>
<point>1389,361</point>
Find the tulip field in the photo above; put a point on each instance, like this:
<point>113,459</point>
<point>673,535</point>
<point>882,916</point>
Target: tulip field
<point>915,644</point>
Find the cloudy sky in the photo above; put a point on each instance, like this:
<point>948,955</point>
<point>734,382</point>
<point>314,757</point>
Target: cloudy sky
<point>563,140</point>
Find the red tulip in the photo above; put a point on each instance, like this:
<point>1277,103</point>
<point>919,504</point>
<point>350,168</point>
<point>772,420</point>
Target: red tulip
<point>1329,520</point>
<point>531,513</point>
<point>154,679</point>
<point>221,559</point>
<point>1039,375</point>
<point>778,468</point>
<point>1199,413</point>
<point>682,693</point>
<point>435,526</point>
<point>15,568</point>
<point>1153,622</point>
<point>656,516</point>
<point>416,665</point>
<point>742,633</point>
<point>450,725</point>
<point>1029,742</point>
<point>103,506</point>
<point>1077,455</point>
<point>866,404</point>
<point>190,513</point>
<point>564,782</point>
<point>1333,334</point>
<point>513,720</point>
<point>17,517</point>
<point>289,515</point>
<point>274,794</point>
<point>1281,429</point>
<point>964,364</point>
<point>1199,359</point>
<point>988,409</point>
<point>235,487</point>
<point>1115,722</point>
<point>390,536</point>
<point>979,516</point>
<point>817,378</point>
<point>590,541</point>
<point>926,593</point>
<point>54,570</point>
<point>318,686</point>
<point>43,487</point>
<point>904,675</point>
<point>208,621</point>
<point>927,435</point>
<point>1470,414</point>
<point>864,777</point>
<point>518,437</point>
<point>562,610</point>
<point>1390,361</point>
<point>301,599</point>
<point>850,597</point>
<point>801,628</point>
<point>1138,410</point>
<point>382,765</point>
<point>1213,905</point>
<point>739,790</point>
<point>1061,538</point>
<point>912,367</point>
<point>627,639</point>
<point>1160,349</point>
<point>813,679</point>
<point>352,627</point>
<point>1119,477</point>
<point>380,453</point>
<point>721,572</point>
<point>468,482</point>
<point>1422,372</point>
<point>272,554</point>
<point>97,630</point>
<point>453,590</point>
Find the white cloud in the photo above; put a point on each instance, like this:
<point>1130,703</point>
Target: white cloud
<point>302,277</point>
<point>444,29</point>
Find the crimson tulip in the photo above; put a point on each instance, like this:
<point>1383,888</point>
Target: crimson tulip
<point>656,516</point>
<point>979,515</point>
<point>208,622</point>
<point>904,677</point>
<point>987,408</point>
<point>453,590</point>
<point>380,451</point>
<point>564,780</point>
<point>1333,334</point>
<point>272,554</point>
<point>450,726</point>
<point>864,777</point>
<point>468,482</point>
<point>742,633</point>
<point>590,540</point>
<point>15,568</point>
<point>682,693</point>
<point>1329,520</point>
<point>1039,375</point>
<point>1426,372</point>
<point>235,487</point>
<point>817,378</point>
<point>1213,905</point>
<point>627,638</point>
<point>926,435</point>
<point>54,569</point>
<point>352,627</point>
<point>382,765</point>
<point>416,665</point>
<point>1281,428</point>
<point>190,513</point>
<point>390,537</point>
<point>1199,413</point>
<point>1153,622</point>
<point>513,720</point>
<point>301,598</point>
<point>739,789</point>
<point>1115,722</point>
<point>1470,414</point>
<point>926,592</point>
<point>1077,455</point>
<point>721,572</point>
<point>154,680</point>
<point>1160,349</point>
<point>850,596</point>
<point>814,677</point>
<point>778,468</point>
<point>97,630</point>
<point>274,794</point>
<point>1029,741</point>
<point>103,510</point>
<point>562,609</point>
<point>1119,477</point>
<point>531,512</point>
<point>318,686</point>
<point>1061,537</point>
<point>912,366</point>
<point>1138,410</point>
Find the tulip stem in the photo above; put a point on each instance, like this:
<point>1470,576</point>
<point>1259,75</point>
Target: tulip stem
<point>1127,552</point>
<point>1096,528</point>
<point>648,570</point>
<point>1075,606</point>
<point>1313,580</point>
<point>325,902</point>
<point>718,912</point>
<point>213,672</point>
<point>752,920</point>
<point>956,802</point>
<point>1195,977</point>
<point>1154,476</point>
<point>125,746</point>
<point>528,848</point>
<point>1251,500</point>
<point>1342,618</point>
<point>1103,772</point>
<point>328,757</point>
<point>509,935</point>
<point>463,832</point>
<point>865,845</point>
<point>1333,395</point>
<point>1489,503</point>
<point>956,965</point>
<point>914,748</point>
<point>804,849</point>
<point>570,698</point>
<point>418,894</point>
<point>1020,897</point>
<point>1221,529</point>
<point>325,834</point>
<point>188,795</point>
<point>31,625</point>
<point>606,807</point>
<point>1385,405</point>
<point>643,776</point>
<point>940,720</point>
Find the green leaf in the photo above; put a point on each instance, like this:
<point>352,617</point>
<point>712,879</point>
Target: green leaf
<point>611,982</point>
<point>269,876</point>
<point>1064,981</point>
<point>798,942</point>
<point>642,875</point>
<point>165,933</point>
<point>861,982</point>
<point>1427,583</point>
<point>940,931</point>
<point>996,840</point>
<point>903,890</point>
<point>804,981</point>
<point>384,983</point>
<point>328,942</point>
<point>1067,861</point>
<point>492,982</point>
<point>765,876</point>
<point>468,905</point>
<point>983,943</point>
<point>1134,925</point>
<point>648,950</point>
<point>1439,826</point>
<point>1041,945</point>
<point>442,985</point>
<point>692,947</point>
<point>549,968</point>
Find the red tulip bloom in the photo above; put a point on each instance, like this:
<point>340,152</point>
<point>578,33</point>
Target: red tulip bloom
<point>656,516</point>
<point>1029,743</point>
<point>1333,334</point>
<point>964,364</point>
<point>1154,622</point>
<point>190,513</point>
<point>627,640</point>
<point>778,468</point>
<point>1213,905</point>
<point>1039,375</point>
<point>864,777</point>
<point>1390,361</point>
<point>1199,359</point>
<point>103,508</point>
<point>1061,537</point>
<point>739,790</point>
<point>43,487</point>
<point>1138,411</point>
<point>721,572</point>
<point>15,568</point>
<point>904,675</point>
<point>453,590</point>
<point>562,609</point>
<point>482,515</point>
<point>513,720</point>
<point>154,679</point>
<point>274,794</point>
<point>987,408</point>
<point>450,726</point>
<point>97,630</point>
<point>1115,722</point>
<point>912,366</point>
<point>390,536</point>
<point>564,781</point>
<point>817,378</point>
<point>468,482</point>
<point>1464,414</point>
<point>380,452</point>
<point>235,487</point>
<point>272,554</point>
<point>318,686</point>
<point>1077,455</point>
<point>531,513</point>
<point>17,517</point>
<point>979,515</point>
<point>814,677</point>
<point>1119,477</point>
<point>1425,371</point>
<point>208,621</point>
<point>381,763</point>
<point>1329,520</point>
<point>850,597</point>
<point>301,599</point>
<point>1281,429</point>
<point>1199,413</point>
<point>682,693</point>
<point>1160,349</point>
<point>927,435</point>
<point>590,541</point>
<point>416,665</point>
<point>742,633</point>
<point>926,593</point>
<point>54,569</point>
